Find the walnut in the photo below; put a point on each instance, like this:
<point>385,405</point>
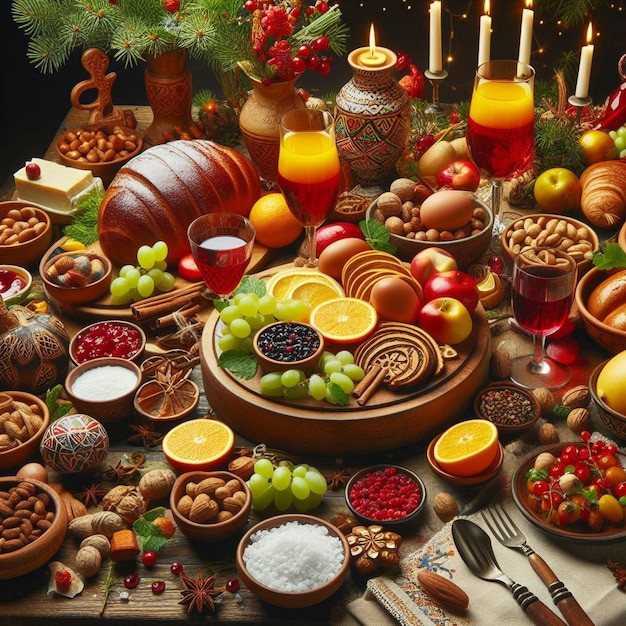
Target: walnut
<point>88,561</point>
<point>242,466</point>
<point>445,507</point>
<point>372,548</point>
<point>577,397</point>
<point>579,419</point>
<point>126,501</point>
<point>157,484</point>
<point>546,400</point>
<point>548,434</point>
<point>100,542</point>
<point>500,364</point>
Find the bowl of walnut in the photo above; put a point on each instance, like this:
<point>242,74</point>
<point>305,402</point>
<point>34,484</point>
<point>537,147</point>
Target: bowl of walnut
<point>210,506</point>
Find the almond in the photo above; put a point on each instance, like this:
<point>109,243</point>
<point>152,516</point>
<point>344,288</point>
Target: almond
<point>442,590</point>
<point>208,486</point>
<point>203,509</point>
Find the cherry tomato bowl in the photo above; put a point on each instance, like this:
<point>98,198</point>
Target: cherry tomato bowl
<point>578,531</point>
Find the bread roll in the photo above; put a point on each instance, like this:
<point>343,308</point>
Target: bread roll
<point>608,297</point>
<point>603,199</point>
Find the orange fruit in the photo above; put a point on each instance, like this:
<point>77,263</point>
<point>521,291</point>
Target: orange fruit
<point>275,225</point>
<point>344,320</point>
<point>467,448</point>
<point>200,444</point>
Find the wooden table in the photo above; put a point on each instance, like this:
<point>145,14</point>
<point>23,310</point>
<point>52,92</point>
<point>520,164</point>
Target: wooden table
<point>25,600</point>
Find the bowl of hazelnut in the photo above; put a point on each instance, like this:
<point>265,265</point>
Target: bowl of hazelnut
<point>210,506</point>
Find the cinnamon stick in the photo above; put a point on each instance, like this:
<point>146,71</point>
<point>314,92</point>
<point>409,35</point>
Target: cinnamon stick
<point>170,318</point>
<point>167,302</point>
<point>365,382</point>
<point>371,389</point>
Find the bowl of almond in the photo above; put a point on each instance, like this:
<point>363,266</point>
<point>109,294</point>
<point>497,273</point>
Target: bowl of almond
<point>210,506</point>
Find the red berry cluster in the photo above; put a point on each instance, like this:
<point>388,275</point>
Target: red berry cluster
<point>385,494</point>
<point>583,485</point>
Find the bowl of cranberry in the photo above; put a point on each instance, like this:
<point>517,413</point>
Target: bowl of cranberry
<point>389,495</point>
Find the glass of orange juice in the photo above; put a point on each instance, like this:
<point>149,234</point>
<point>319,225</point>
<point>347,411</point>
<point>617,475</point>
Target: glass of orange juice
<point>308,168</point>
<point>500,131</point>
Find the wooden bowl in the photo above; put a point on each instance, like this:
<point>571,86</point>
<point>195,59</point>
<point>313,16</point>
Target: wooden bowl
<point>621,237</point>
<point>292,599</point>
<point>41,550</point>
<point>466,251</point>
<point>75,294</point>
<point>108,338</point>
<point>8,273</point>
<point>214,530</point>
<point>484,476</point>
<point>105,400</point>
<point>614,421</point>
<point>273,333</point>
<point>29,251</point>
<point>511,408</point>
<point>583,265</point>
<point>395,522</point>
<point>28,450</point>
<point>611,339</point>
<point>152,402</point>
<point>104,169</point>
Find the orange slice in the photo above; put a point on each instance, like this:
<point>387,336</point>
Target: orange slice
<point>200,444</point>
<point>467,448</point>
<point>281,283</point>
<point>344,320</point>
<point>315,291</point>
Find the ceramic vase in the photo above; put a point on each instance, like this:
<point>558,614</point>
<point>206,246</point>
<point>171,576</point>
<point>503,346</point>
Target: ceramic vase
<point>169,91</point>
<point>258,122</point>
<point>372,121</point>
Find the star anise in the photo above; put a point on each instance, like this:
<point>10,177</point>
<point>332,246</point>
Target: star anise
<point>124,470</point>
<point>146,433</point>
<point>337,479</point>
<point>619,573</point>
<point>91,495</point>
<point>199,592</point>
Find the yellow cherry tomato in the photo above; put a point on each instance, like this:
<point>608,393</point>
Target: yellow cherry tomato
<point>611,509</point>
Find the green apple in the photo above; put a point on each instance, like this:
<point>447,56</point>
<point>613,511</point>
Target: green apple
<point>557,190</point>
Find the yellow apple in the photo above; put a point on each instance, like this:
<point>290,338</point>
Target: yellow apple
<point>610,383</point>
<point>557,190</point>
<point>597,146</point>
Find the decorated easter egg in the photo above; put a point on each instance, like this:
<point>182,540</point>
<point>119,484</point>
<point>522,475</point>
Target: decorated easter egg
<point>74,443</point>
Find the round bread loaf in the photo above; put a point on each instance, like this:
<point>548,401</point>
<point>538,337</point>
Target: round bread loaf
<point>158,193</point>
<point>607,302</point>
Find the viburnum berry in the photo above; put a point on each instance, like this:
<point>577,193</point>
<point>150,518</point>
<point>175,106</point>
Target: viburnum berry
<point>232,585</point>
<point>322,7</point>
<point>298,65</point>
<point>149,558</point>
<point>304,51</point>
<point>172,5</point>
<point>158,587</point>
<point>131,581</point>
<point>63,579</point>
<point>320,44</point>
<point>177,568</point>
<point>324,67</point>
<point>250,6</point>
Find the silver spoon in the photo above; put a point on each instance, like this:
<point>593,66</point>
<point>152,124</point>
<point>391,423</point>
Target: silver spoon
<point>474,546</point>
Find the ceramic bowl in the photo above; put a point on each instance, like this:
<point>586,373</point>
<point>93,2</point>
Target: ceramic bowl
<point>378,473</point>
<point>58,269</point>
<point>14,294</point>
<point>466,251</point>
<point>152,402</point>
<point>578,532</point>
<point>108,338</point>
<point>614,421</point>
<point>583,265</point>
<point>28,450</point>
<point>488,474</point>
<point>611,339</point>
<point>38,552</point>
<point>511,408</point>
<point>103,396</point>
<point>75,141</point>
<point>293,599</point>
<point>29,251</point>
<point>214,530</point>
<point>277,334</point>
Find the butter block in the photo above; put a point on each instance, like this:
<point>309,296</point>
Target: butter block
<point>57,188</point>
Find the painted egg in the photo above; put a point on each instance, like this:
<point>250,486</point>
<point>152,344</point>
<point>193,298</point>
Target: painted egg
<point>74,443</point>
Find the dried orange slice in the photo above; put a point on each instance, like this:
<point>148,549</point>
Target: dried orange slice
<point>200,444</point>
<point>467,448</point>
<point>344,320</point>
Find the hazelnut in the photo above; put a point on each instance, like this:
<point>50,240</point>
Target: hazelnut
<point>445,507</point>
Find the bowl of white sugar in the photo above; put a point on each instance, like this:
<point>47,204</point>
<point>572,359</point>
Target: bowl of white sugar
<point>292,560</point>
<point>104,388</point>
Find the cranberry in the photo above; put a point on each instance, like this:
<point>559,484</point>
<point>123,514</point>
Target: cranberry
<point>158,587</point>
<point>33,171</point>
<point>131,581</point>
<point>149,558</point>
<point>232,585</point>
<point>63,579</point>
<point>176,568</point>
<point>496,264</point>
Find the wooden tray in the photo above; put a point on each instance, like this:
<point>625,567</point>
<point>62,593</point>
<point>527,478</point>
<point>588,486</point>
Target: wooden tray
<point>389,420</point>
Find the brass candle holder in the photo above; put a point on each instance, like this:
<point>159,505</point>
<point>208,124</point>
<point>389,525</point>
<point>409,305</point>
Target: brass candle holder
<point>580,104</point>
<point>435,80</point>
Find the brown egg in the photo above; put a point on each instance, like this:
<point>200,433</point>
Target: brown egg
<point>334,256</point>
<point>448,209</point>
<point>33,470</point>
<point>394,299</point>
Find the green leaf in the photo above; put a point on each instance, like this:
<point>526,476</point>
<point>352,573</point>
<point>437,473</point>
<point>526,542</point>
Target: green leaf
<point>149,535</point>
<point>612,257</point>
<point>248,284</point>
<point>57,407</point>
<point>340,397</point>
<point>377,235</point>
<point>239,363</point>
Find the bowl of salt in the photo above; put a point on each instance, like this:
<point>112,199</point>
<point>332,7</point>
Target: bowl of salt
<point>104,388</point>
<point>266,566</point>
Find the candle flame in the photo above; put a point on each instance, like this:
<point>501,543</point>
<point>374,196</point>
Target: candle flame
<point>529,4</point>
<point>372,41</point>
<point>589,33</point>
<point>487,7</point>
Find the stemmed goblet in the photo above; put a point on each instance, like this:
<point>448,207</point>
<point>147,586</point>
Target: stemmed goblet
<point>500,129</point>
<point>308,168</point>
<point>542,290</point>
<point>221,244</point>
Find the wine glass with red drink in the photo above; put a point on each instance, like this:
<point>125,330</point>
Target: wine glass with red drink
<point>221,244</point>
<point>500,126</point>
<point>542,290</point>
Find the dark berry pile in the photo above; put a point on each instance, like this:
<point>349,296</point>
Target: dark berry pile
<point>385,494</point>
<point>288,342</point>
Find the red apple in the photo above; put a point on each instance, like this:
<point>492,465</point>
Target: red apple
<point>557,190</point>
<point>334,231</point>
<point>447,320</point>
<point>462,175</point>
<point>452,284</point>
<point>430,261</point>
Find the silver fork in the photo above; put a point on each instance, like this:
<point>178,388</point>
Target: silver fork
<point>508,534</point>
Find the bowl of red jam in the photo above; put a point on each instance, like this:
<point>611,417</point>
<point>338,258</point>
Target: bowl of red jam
<point>390,495</point>
<point>15,283</point>
<point>108,338</point>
